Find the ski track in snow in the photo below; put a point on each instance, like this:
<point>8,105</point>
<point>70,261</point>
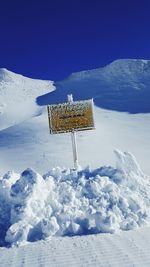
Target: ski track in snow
<point>128,249</point>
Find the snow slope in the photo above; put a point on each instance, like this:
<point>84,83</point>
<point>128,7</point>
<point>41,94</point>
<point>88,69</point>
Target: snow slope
<point>24,136</point>
<point>18,97</point>
<point>29,144</point>
<point>123,85</point>
<point>25,142</point>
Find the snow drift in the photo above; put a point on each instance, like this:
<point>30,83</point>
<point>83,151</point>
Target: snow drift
<point>67,202</point>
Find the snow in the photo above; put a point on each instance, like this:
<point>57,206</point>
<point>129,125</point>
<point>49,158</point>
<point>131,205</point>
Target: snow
<point>122,85</point>
<point>18,97</point>
<point>126,249</point>
<point>29,144</point>
<point>67,202</point>
<point>70,217</point>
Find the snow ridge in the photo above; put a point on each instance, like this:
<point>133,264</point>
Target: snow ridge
<point>117,67</point>
<point>122,85</point>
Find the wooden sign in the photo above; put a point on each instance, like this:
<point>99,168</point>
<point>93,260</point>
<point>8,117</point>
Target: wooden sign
<point>71,116</point>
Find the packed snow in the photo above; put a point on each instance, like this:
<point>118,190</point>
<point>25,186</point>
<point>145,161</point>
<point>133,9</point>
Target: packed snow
<point>126,249</point>
<point>67,202</point>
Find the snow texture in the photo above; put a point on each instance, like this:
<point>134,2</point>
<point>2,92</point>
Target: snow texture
<point>123,85</point>
<point>126,249</point>
<point>67,202</point>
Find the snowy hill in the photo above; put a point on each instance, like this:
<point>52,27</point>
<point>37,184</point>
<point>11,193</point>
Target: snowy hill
<point>123,85</point>
<point>58,201</point>
<point>27,143</point>
<point>18,97</point>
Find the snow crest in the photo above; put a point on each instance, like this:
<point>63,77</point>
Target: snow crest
<point>68,202</point>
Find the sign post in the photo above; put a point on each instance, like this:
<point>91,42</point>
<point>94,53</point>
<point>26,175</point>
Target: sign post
<point>71,116</point>
<point>74,143</point>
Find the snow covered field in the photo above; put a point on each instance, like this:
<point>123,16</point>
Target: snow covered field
<point>29,143</point>
<point>110,195</point>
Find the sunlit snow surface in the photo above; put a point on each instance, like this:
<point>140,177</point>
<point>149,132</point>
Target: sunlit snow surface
<point>122,85</point>
<point>18,97</point>
<point>67,202</point>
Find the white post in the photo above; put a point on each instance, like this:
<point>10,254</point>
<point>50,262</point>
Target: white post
<point>74,143</point>
<point>74,148</point>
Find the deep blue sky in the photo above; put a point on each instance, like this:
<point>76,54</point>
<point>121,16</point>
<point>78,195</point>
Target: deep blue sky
<point>49,39</point>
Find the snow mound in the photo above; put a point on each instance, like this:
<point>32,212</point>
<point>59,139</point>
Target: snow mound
<point>67,202</point>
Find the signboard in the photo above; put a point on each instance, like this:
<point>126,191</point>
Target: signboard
<point>71,116</point>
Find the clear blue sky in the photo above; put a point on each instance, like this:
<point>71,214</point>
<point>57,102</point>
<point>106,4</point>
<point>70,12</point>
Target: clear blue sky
<point>49,39</point>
